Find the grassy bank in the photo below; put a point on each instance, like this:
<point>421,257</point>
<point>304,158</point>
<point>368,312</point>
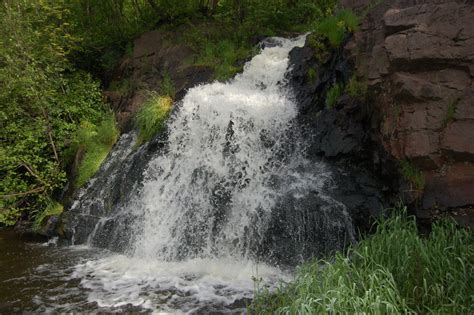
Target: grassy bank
<point>394,271</point>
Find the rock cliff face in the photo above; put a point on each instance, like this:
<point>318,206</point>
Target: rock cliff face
<point>156,56</point>
<point>418,60</point>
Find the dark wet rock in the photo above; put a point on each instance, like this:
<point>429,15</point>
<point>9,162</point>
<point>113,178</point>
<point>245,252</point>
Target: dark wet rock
<point>118,179</point>
<point>343,136</point>
<point>305,227</point>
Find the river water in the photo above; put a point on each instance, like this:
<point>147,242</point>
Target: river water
<point>41,277</point>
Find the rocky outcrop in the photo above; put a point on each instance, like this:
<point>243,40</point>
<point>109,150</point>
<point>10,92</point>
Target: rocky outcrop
<point>157,56</point>
<point>344,135</point>
<point>418,60</point>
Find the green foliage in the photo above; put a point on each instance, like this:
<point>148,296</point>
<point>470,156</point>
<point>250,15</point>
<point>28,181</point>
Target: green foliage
<point>452,107</point>
<point>413,175</point>
<point>53,208</point>
<point>167,86</point>
<point>42,101</point>
<point>394,271</point>
<point>106,27</point>
<point>226,39</point>
<point>221,56</point>
<point>356,88</point>
<point>95,142</point>
<point>124,86</point>
<point>335,27</point>
<point>152,116</point>
<point>333,94</point>
<point>312,74</point>
<point>321,52</point>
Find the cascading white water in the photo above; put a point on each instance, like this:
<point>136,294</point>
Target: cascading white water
<point>204,210</point>
<point>203,197</point>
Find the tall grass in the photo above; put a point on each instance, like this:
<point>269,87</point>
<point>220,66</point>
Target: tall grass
<point>151,117</point>
<point>96,142</point>
<point>394,271</point>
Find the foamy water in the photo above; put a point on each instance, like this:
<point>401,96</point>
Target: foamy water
<point>185,286</point>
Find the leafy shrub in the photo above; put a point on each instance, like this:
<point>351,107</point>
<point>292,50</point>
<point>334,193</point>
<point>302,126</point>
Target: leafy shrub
<point>394,271</point>
<point>42,101</point>
<point>333,94</point>
<point>151,117</point>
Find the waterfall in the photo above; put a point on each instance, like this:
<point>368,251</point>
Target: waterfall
<point>228,188</point>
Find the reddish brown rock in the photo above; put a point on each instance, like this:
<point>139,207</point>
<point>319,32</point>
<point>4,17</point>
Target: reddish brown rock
<point>418,57</point>
<point>458,140</point>
<point>453,186</point>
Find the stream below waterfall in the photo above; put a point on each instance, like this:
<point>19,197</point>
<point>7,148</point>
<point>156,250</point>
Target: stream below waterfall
<point>41,277</point>
<point>227,204</point>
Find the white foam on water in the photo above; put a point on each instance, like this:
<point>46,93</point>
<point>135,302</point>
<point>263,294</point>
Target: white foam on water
<point>185,286</point>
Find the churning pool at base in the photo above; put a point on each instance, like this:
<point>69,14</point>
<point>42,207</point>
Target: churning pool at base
<point>44,278</point>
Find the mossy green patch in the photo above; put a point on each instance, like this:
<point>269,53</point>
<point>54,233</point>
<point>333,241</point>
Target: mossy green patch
<point>53,208</point>
<point>333,94</point>
<point>312,74</point>
<point>357,88</point>
<point>452,107</point>
<point>222,56</point>
<point>96,142</point>
<point>335,27</point>
<point>412,174</point>
<point>152,116</point>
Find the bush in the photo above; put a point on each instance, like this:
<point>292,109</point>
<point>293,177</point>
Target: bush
<point>151,117</point>
<point>42,101</point>
<point>335,27</point>
<point>394,271</point>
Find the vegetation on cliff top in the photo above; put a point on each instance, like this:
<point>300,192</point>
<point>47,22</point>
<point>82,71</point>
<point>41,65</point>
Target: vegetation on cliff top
<point>394,271</point>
